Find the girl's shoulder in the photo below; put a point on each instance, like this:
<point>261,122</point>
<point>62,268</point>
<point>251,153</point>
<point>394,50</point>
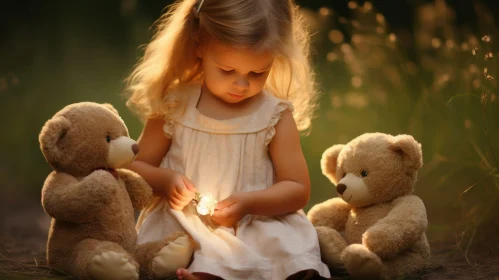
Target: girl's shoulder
<point>184,96</point>
<point>276,106</point>
<point>271,100</point>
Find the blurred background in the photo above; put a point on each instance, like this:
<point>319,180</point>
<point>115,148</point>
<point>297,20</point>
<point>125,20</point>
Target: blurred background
<point>425,68</point>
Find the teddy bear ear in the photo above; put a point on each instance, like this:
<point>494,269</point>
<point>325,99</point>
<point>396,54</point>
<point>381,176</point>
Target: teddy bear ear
<point>50,136</point>
<point>329,162</point>
<point>111,107</point>
<point>410,150</point>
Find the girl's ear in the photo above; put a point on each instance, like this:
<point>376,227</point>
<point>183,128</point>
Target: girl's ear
<point>329,162</point>
<point>199,50</point>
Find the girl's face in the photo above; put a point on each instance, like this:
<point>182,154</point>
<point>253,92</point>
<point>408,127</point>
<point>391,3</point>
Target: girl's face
<point>234,74</point>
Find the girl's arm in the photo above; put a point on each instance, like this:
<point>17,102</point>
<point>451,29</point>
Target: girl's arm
<point>153,146</point>
<point>292,190</point>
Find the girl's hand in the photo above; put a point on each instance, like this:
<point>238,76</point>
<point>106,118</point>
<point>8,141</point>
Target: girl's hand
<point>231,210</point>
<point>179,190</point>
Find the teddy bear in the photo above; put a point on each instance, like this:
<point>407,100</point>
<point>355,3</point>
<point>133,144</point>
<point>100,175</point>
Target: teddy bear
<point>376,228</point>
<point>91,199</point>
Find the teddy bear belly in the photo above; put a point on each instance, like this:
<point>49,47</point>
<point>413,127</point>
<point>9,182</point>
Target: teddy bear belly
<point>361,219</point>
<point>68,235</point>
<point>121,232</point>
<point>115,224</point>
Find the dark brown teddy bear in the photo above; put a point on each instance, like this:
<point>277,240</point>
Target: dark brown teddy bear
<point>92,202</point>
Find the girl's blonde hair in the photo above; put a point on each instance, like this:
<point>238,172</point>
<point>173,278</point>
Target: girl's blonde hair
<point>170,59</point>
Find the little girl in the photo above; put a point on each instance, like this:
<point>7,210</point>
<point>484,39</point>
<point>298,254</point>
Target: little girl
<point>224,88</point>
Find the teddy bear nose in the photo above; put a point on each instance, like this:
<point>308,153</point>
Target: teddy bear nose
<point>135,148</point>
<point>340,188</point>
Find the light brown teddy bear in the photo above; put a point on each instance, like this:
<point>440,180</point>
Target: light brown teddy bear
<point>91,202</point>
<point>377,228</point>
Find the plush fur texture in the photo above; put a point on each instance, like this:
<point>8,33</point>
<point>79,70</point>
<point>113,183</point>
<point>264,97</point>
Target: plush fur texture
<point>92,234</point>
<point>376,228</point>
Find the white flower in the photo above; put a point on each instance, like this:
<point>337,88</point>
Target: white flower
<point>205,204</point>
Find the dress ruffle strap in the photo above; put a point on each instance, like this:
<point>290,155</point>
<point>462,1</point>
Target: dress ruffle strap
<point>168,128</point>
<point>279,109</point>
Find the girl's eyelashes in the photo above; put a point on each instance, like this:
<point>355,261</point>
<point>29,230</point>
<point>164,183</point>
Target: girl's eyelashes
<point>253,74</point>
<point>226,71</point>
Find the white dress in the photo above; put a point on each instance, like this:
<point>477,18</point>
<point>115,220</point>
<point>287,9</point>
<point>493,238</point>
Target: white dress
<point>222,157</point>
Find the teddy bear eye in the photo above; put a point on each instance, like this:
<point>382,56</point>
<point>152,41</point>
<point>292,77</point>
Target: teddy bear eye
<point>363,173</point>
<point>108,139</point>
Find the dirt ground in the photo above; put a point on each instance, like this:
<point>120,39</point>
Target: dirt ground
<point>24,228</point>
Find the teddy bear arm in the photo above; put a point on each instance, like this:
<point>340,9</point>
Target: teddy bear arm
<point>62,198</point>
<point>331,213</point>
<point>139,191</point>
<point>396,232</point>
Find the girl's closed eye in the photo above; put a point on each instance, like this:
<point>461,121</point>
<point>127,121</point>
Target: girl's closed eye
<point>256,74</point>
<point>225,71</point>
<point>232,71</point>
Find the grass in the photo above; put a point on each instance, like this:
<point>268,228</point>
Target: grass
<point>15,270</point>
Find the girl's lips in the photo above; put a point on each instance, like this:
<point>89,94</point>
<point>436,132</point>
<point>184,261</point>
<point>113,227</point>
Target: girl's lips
<point>235,95</point>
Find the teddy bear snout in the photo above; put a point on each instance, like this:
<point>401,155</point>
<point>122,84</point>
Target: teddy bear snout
<point>340,188</point>
<point>135,149</point>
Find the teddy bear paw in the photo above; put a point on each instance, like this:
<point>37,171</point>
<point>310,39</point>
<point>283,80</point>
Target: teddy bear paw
<point>173,256</point>
<point>112,266</point>
<point>331,244</point>
<point>361,263</point>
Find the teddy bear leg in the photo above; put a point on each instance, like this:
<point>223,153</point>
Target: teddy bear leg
<point>403,264</point>
<point>162,258</point>
<point>331,244</point>
<point>361,263</point>
<point>94,259</point>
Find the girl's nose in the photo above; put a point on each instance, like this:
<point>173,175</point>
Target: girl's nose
<point>241,83</point>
